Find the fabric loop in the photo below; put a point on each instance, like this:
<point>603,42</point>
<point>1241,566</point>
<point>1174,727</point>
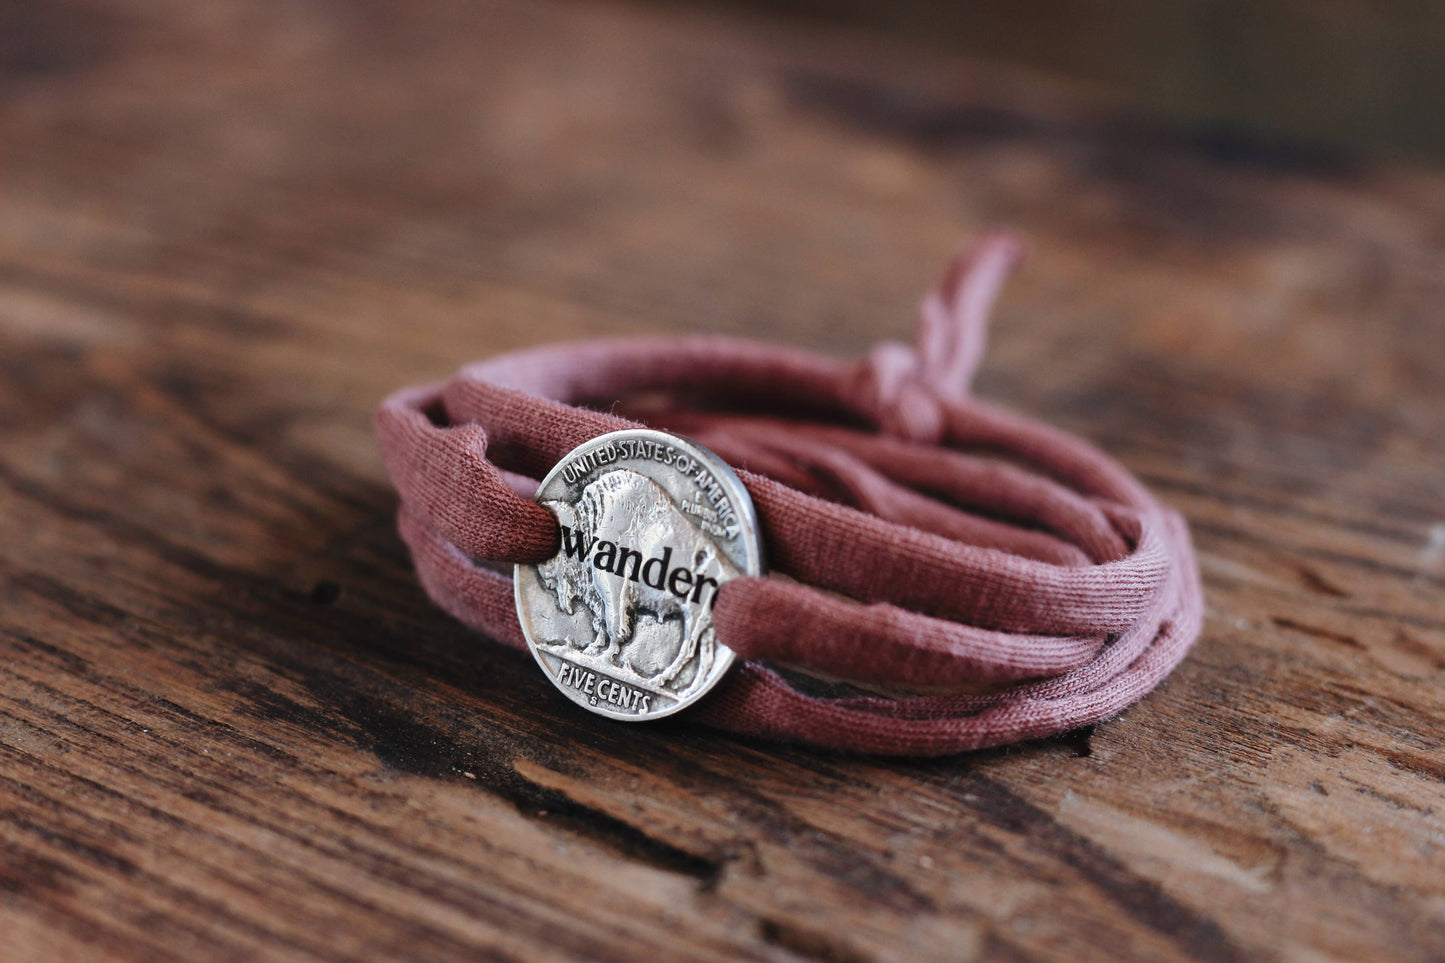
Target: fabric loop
<point>446,475</point>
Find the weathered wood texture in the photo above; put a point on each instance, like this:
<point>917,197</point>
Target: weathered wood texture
<point>232,727</point>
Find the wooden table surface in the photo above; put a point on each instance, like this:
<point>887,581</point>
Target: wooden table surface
<point>233,728</point>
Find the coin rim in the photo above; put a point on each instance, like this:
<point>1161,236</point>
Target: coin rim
<point>747,514</point>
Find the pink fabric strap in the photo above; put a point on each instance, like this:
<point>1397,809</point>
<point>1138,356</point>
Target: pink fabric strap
<point>929,540</point>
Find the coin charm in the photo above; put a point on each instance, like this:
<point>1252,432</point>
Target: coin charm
<point>620,619</point>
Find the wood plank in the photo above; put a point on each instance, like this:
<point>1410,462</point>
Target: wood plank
<point>232,726</point>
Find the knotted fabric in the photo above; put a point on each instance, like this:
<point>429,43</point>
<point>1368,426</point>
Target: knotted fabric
<point>981,577</point>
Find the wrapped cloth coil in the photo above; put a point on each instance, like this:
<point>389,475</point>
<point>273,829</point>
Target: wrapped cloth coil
<point>928,539</point>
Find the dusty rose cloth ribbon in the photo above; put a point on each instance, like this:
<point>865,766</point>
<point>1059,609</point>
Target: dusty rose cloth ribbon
<point>929,539</point>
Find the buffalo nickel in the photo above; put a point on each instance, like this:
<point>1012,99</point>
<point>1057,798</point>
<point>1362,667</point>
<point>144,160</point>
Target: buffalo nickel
<point>620,619</point>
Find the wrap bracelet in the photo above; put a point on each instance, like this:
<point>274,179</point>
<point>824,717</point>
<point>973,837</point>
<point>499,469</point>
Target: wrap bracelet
<point>957,576</point>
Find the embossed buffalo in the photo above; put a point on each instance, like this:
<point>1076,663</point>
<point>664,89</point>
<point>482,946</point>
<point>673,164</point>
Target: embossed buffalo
<point>627,547</point>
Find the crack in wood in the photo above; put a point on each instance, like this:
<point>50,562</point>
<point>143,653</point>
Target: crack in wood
<point>1200,936</point>
<point>1342,638</point>
<point>809,943</point>
<point>406,744</point>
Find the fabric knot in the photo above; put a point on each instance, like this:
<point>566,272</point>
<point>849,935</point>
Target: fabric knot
<point>902,389</point>
<point>888,387</point>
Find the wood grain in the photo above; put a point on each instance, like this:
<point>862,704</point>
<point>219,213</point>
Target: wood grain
<point>232,727</point>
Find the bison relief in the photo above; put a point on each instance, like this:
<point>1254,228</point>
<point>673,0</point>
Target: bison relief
<point>629,555</point>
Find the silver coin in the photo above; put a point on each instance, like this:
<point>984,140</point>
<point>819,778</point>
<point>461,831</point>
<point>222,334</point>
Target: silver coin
<point>620,619</point>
